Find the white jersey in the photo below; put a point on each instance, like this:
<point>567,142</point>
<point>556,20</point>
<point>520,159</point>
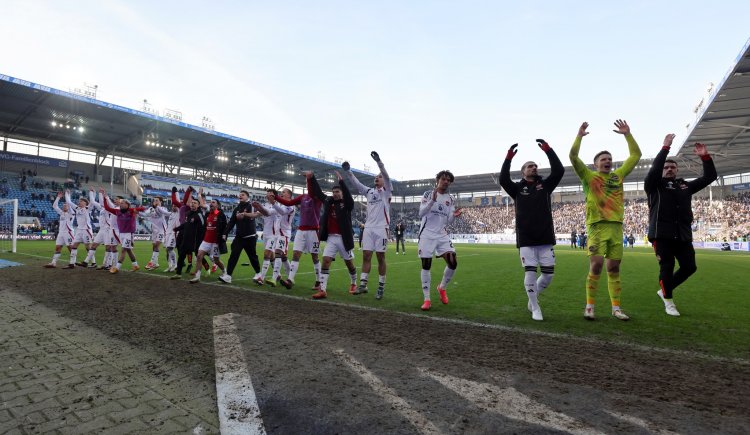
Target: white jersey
<point>82,214</point>
<point>105,224</point>
<point>156,216</point>
<point>271,222</point>
<point>378,199</point>
<point>66,217</point>
<point>436,215</point>
<point>173,221</point>
<point>286,217</point>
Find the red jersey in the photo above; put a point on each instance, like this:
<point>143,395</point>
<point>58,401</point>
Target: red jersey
<point>211,235</point>
<point>333,222</point>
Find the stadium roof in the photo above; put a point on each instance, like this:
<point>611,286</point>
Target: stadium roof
<point>27,111</point>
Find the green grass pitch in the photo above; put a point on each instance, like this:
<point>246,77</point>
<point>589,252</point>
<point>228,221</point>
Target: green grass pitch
<point>488,288</point>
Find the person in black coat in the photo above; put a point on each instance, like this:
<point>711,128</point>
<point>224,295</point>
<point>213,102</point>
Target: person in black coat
<point>243,217</point>
<point>535,231</point>
<point>190,235</point>
<point>671,217</point>
<point>336,230</point>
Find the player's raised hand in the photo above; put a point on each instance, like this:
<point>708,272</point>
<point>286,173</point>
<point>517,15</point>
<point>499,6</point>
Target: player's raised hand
<point>339,175</point>
<point>256,205</point>
<point>59,195</point>
<point>307,174</point>
<point>511,152</point>
<point>375,156</point>
<point>457,212</point>
<point>345,166</point>
<point>668,140</point>
<point>543,145</point>
<point>622,127</point>
<point>582,129</point>
<point>434,194</point>
<point>701,149</point>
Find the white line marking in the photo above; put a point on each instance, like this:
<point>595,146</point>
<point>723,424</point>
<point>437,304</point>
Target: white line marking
<point>639,422</point>
<point>400,405</point>
<point>238,408</point>
<point>510,403</point>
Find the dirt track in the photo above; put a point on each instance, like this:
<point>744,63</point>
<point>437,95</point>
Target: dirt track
<point>297,353</point>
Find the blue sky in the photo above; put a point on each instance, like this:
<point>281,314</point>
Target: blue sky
<point>431,85</point>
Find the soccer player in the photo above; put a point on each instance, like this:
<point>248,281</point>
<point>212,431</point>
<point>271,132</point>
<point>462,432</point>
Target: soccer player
<point>375,235</point>
<point>64,230</point>
<point>185,207</point>
<point>216,223</point>
<point>190,234</point>
<point>306,238</point>
<point>170,237</point>
<point>437,211</point>
<point>127,218</point>
<point>82,233</point>
<point>243,217</point>
<point>104,235</point>
<point>285,215</point>
<point>671,217</point>
<point>156,214</point>
<point>400,228</point>
<point>270,233</point>
<point>604,215</point>
<point>535,231</point>
<point>336,230</point>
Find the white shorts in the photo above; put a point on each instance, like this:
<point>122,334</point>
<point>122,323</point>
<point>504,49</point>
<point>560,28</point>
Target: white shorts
<point>83,236</point>
<point>428,246</point>
<point>114,237</point>
<point>306,241</point>
<point>126,240</point>
<point>375,239</point>
<point>102,236</point>
<point>64,238</point>
<point>334,245</point>
<point>542,255</point>
<point>157,236</point>
<point>269,243</point>
<point>170,240</point>
<point>212,249</point>
<point>282,244</point>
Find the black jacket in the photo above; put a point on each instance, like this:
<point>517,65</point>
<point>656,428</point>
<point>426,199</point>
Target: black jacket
<point>245,226</point>
<point>533,203</point>
<point>191,231</point>
<point>343,209</point>
<point>670,211</point>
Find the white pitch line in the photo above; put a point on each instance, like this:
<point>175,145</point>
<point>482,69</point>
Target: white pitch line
<point>510,403</point>
<point>400,405</point>
<point>239,412</point>
<point>639,422</point>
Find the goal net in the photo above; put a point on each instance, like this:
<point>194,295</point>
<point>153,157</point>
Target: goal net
<point>8,224</point>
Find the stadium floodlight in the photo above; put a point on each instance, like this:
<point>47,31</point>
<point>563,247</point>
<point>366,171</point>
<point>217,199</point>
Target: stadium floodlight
<point>54,124</point>
<point>180,149</point>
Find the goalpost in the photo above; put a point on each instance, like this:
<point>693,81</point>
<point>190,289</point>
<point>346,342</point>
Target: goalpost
<point>8,225</point>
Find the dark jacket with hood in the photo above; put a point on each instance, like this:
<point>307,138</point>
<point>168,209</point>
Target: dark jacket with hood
<point>343,209</point>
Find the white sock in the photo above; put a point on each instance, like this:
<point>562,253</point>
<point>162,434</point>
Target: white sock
<point>119,265</point>
<point>353,275</point>
<point>134,262</point>
<point>381,281</point>
<point>323,279</point>
<point>529,282</point>
<point>426,282</point>
<point>447,276</point>
<point>543,282</point>
<point>91,256</point>
<point>73,255</point>
<point>264,269</point>
<point>276,269</point>
<point>55,257</point>
<point>198,273</point>
<point>293,270</point>
<point>317,267</point>
<point>363,278</point>
<point>286,267</point>
<point>155,257</point>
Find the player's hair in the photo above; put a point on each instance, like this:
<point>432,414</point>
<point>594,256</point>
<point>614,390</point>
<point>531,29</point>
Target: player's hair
<point>218,203</point>
<point>85,199</point>
<point>272,191</point>
<point>670,161</point>
<point>159,198</point>
<point>446,173</point>
<point>286,189</point>
<point>245,192</point>
<point>119,197</point>
<point>335,187</point>
<point>596,157</point>
<point>523,168</point>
